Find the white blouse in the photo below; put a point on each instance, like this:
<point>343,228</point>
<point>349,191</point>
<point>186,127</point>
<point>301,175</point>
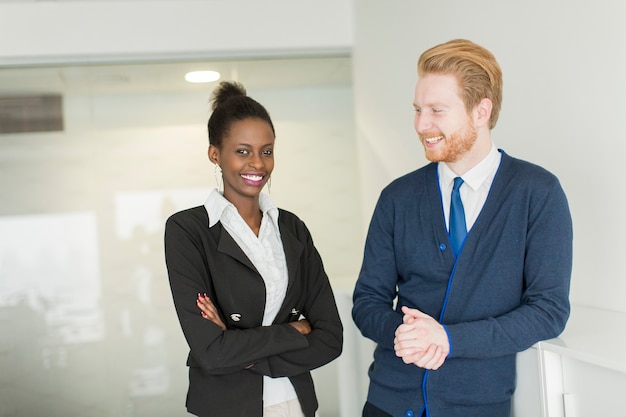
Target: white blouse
<point>268,257</point>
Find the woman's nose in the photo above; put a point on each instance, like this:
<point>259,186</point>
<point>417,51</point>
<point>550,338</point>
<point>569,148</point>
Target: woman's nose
<point>255,160</point>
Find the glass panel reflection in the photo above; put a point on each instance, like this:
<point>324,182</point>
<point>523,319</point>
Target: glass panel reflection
<point>87,325</point>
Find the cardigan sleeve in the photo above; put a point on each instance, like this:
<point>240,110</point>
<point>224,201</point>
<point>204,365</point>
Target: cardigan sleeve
<point>375,289</point>
<point>326,338</point>
<point>216,351</point>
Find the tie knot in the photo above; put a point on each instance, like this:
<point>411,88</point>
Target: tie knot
<point>458,181</point>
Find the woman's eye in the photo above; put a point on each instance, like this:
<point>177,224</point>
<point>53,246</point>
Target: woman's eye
<point>242,151</point>
<point>268,152</point>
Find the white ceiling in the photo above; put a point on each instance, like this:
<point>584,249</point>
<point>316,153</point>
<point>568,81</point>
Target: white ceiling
<point>169,76</point>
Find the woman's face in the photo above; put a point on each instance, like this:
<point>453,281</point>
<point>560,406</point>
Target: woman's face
<point>246,158</point>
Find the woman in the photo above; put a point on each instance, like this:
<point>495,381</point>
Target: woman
<point>249,287</point>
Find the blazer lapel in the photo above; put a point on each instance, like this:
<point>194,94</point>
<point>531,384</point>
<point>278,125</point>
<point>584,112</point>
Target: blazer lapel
<point>293,251</point>
<point>227,245</point>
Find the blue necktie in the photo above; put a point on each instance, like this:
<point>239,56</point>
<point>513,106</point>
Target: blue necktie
<point>458,230</point>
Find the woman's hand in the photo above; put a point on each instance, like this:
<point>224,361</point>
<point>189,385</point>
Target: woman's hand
<point>208,310</point>
<point>302,325</point>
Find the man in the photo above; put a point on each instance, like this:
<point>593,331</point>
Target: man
<point>448,313</point>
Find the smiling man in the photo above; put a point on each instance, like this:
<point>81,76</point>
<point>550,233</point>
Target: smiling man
<point>467,260</point>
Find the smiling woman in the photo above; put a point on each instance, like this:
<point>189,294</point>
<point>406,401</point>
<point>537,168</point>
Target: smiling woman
<point>241,136</point>
<point>249,287</point>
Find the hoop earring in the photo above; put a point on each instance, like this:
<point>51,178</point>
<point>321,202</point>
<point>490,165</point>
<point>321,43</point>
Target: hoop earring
<point>218,177</point>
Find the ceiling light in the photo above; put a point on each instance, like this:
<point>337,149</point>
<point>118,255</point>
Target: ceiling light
<point>202,76</point>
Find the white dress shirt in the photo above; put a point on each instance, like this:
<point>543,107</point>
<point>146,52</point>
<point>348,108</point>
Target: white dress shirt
<point>476,184</point>
<point>268,257</point>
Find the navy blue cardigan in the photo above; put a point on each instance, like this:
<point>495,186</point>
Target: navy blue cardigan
<point>508,289</point>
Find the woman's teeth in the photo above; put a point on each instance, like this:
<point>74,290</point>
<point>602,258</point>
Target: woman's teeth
<point>253,177</point>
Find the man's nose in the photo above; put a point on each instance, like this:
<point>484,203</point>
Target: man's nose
<point>422,122</point>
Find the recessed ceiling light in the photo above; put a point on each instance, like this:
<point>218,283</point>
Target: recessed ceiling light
<point>202,76</point>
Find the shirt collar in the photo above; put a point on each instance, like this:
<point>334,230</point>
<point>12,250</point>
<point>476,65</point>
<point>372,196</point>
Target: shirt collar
<point>476,176</point>
<point>216,205</point>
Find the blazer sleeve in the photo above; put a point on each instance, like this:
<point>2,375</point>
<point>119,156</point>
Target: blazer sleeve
<point>326,338</point>
<point>214,350</point>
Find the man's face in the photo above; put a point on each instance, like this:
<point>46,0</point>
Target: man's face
<point>441,121</point>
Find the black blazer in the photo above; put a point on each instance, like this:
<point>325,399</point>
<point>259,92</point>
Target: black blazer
<point>207,260</point>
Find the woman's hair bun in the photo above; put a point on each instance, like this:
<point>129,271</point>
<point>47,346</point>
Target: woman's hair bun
<point>230,103</point>
<point>225,91</point>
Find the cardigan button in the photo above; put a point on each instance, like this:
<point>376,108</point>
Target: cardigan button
<point>442,246</point>
<point>409,413</point>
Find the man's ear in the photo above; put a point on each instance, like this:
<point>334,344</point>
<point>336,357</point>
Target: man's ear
<point>482,112</point>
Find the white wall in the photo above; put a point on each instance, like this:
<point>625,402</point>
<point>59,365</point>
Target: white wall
<point>563,64</point>
<point>62,31</point>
